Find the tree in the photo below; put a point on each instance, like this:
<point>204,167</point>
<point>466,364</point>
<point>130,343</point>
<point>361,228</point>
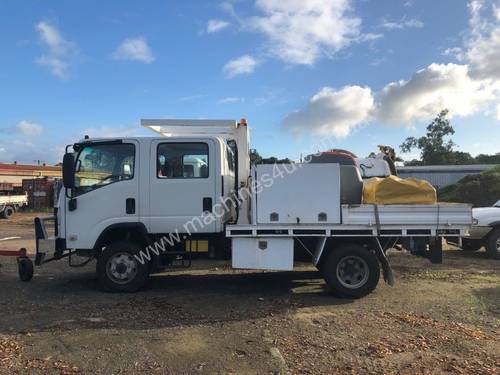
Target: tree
<point>488,159</point>
<point>434,149</point>
<point>258,159</point>
<point>460,158</point>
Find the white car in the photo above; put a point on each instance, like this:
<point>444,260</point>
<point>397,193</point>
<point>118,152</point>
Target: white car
<point>485,231</point>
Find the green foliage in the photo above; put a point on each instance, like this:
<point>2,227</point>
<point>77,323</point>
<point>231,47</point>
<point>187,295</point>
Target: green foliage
<point>258,159</point>
<point>434,149</point>
<point>488,159</point>
<point>481,190</point>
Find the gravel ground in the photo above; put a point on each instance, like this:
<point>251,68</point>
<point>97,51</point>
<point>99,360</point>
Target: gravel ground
<point>437,319</point>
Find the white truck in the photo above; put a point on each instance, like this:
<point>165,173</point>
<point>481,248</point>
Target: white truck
<point>485,231</point>
<point>134,204</point>
<point>12,203</point>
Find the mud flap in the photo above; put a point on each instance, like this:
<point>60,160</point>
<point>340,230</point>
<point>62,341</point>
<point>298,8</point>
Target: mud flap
<point>435,253</point>
<point>386,267</point>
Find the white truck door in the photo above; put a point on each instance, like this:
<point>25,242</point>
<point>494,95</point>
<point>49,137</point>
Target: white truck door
<point>106,191</point>
<point>182,186</point>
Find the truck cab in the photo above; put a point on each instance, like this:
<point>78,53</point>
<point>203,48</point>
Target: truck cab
<point>140,189</point>
<point>138,181</point>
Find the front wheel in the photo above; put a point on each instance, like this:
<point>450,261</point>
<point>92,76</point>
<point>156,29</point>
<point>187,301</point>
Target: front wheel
<point>351,271</point>
<point>493,244</point>
<point>119,270</point>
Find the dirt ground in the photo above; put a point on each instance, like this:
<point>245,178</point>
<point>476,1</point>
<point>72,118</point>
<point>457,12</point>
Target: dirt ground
<point>437,319</point>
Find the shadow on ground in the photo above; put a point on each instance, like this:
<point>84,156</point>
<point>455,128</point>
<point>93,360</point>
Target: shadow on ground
<point>74,300</point>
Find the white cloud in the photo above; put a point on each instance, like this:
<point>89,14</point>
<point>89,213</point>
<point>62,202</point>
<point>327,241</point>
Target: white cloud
<point>51,36</point>
<point>242,65</point>
<point>59,50</point>
<point>429,91</point>
<point>455,52</point>
<point>216,25</point>
<point>484,53</point>
<point>332,112</point>
<point>136,49</point>
<point>403,23</point>
<point>400,103</point>
<point>190,98</point>
<point>231,100</point>
<point>274,95</point>
<point>464,89</point>
<point>483,40</point>
<point>58,67</point>
<point>112,131</point>
<point>26,152</point>
<point>29,128</point>
<point>302,31</point>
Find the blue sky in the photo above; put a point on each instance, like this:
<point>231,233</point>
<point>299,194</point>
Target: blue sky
<point>356,73</point>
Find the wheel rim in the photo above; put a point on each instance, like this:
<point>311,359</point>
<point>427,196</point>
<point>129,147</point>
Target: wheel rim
<point>121,268</point>
<point>498,244</point>
<point>352,272</point>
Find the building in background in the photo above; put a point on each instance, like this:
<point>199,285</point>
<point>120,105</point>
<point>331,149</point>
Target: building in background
<point>39,182</point>
<point>14,174</point>
<point>442,175</point>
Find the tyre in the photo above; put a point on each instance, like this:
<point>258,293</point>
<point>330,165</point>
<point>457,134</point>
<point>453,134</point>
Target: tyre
<point>118,270</point>
<point>25,268</point>
<point>493,244</point>
<point>7,212</point>
<point>471,245</point>
<point>351,271</point>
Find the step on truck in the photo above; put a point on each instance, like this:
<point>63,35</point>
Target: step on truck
<point>137,205</point>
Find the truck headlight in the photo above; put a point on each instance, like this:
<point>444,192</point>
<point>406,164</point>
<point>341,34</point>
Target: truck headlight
<point>475,221</point>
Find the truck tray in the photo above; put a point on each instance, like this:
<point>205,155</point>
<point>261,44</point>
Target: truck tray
<point>442,219</point>
<point>442,214</point>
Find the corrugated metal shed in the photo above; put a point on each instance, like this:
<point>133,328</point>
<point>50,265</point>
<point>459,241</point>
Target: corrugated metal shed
<point>442,175</point>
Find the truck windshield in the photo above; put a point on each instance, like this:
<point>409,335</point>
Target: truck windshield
<point>103,164</point>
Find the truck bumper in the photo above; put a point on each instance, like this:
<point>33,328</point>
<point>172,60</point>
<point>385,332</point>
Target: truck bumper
<point>46,245</point>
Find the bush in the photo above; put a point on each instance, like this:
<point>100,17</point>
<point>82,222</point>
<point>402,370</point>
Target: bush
<point>481,190</point>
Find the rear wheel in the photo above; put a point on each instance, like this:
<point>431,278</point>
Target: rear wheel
<point>471,245</point>
<point>351,271</point>
<point>493,244</point>
<point>7,212</point>
<point>118,269</point>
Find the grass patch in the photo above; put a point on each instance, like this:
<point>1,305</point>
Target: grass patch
<point>477,303</point>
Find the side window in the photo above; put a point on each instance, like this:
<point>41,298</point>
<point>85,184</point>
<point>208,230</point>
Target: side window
<point>182,160</point>
<point>100,165</point>
<point>231,154</point>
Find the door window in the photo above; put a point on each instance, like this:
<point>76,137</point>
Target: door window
<point>182,160</point>
<point>103,164</point>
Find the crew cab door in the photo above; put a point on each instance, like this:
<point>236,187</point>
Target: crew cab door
<point>106,191</point>
<point>182,186</point>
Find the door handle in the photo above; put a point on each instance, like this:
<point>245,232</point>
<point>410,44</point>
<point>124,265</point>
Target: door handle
<point>207,204</point>
<point>130,206</point>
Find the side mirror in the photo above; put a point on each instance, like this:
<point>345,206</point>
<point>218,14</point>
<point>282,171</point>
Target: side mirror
<point>69,171</point>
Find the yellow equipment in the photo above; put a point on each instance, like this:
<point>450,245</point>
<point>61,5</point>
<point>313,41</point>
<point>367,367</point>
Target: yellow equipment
<point>395,190</point>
